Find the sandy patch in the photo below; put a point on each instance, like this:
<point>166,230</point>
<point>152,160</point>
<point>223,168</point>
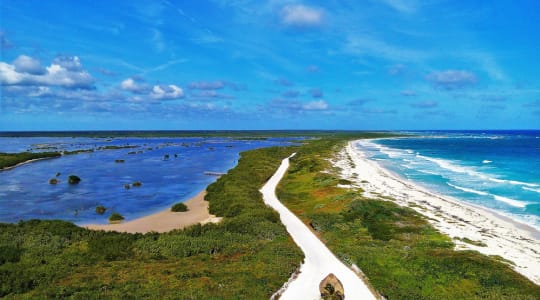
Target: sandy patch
<point>165,220</point>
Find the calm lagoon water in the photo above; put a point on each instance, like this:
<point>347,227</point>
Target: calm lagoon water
<point>25,192</point>
<point>499,170</point>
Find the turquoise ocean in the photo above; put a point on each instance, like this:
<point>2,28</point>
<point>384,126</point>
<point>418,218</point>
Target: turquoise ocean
<point>499,170</point>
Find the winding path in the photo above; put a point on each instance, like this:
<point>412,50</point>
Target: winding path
<point>319,260</point>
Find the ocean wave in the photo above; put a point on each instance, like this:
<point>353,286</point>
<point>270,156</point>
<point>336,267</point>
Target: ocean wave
<point>513,182</point>
<point>485,161</point>
<point>448,165</point>
<point>509,201</point>
<point>468,190</point>
<point>512,202</point>
<point>531,189</point>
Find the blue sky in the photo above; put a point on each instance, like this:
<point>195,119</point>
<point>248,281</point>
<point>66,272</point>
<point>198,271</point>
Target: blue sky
<point>373,64</point>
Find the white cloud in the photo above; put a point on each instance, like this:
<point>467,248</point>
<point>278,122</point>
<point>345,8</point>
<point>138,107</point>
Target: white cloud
<point>27,64</point>
<point>24,72</point>
<point>166,92</point>
<point>298,15</point>
<point>133,85</point>
<point>316,105</point>
<point>71,63</point>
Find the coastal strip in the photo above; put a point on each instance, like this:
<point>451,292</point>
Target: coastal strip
<point>27,162</point>
<point>319,261</point>
<point>471,227</point>
<point>165,220</point>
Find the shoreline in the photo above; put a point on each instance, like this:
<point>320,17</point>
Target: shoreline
<point>165,220</point>
<point>496,234</point>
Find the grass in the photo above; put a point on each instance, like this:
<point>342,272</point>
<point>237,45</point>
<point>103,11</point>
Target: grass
<point>403,256</point>
<point>248,255</point>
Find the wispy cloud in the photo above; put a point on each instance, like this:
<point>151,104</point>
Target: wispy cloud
<point>283,82</point>
<point>290,94</point>
<point>487,63</point>
<point>397,69</point>
<point>379,111</point>
<point>452,79</point>
<point>312,69</point>
<point>158,41</point>
<point>407,93</point>
<point>4,42</point>
<point>358,102</point>
<point>301,16</point>
<point>425,104</point>
<point>404,6</point>
<point>365,45</point>
<point>316,93</point>
<point>207,85</point>
<point>316,105</point>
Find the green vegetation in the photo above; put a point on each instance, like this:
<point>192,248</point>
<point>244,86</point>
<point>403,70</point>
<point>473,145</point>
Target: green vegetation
<point>12,159</point>
<point>403,256</point>
<point>100,209</point>
<point>248,255</point>
<point>115,217</point>
<point>179,207</point>
<point>469,241</point>
<point>74,179</point>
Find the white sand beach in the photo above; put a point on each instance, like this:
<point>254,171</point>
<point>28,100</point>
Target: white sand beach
<point>165,220</point>
<point>510,240</point>
<point>319,260</point>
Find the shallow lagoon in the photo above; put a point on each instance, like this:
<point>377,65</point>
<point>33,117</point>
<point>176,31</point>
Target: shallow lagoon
<point>25,192</point>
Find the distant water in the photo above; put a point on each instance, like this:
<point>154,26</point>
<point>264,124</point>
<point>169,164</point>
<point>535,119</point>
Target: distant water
<point>25,192</point>
<point>499,170</point>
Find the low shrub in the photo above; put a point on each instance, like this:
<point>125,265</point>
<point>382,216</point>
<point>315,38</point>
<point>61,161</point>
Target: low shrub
<point>115,217</point>
<point>179,207</point>
<point>74,179</point>
<point>100,209</point>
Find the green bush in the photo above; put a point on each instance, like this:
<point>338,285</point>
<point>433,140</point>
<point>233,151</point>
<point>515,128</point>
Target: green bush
<point>115,217</point>
<point>74,179</point>
<point>100,209</point>
<point>179,207</point>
